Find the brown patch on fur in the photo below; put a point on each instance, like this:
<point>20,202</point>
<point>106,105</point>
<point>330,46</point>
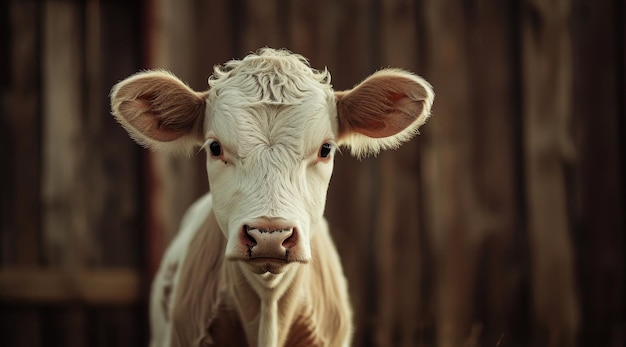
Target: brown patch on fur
<point>303,333</point>
<point>226,329</point>
<point>198,294</point>
<point>169,275</point>
<point>381,106</point>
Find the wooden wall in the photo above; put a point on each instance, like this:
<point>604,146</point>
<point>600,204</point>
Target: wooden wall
<point>72,247</point>
<point>502,224</point>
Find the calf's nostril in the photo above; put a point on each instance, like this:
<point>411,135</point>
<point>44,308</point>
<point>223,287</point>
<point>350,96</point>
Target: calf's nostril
<point>249,240</point>
<point>291,240</point>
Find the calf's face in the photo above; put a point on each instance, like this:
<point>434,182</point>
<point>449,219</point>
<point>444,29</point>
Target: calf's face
<point>271,126</point>
<point>269,164</point>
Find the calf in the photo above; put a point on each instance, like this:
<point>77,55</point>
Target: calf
<point>254,263</point>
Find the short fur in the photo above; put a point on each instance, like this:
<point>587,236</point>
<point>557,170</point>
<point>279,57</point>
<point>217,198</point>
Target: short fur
<point>268,114</point>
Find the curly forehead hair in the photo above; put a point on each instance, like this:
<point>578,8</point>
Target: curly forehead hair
<point>275,76</point>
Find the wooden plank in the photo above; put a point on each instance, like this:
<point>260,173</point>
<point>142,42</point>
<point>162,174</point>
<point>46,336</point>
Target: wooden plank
<point>69,196</point>
<point>21,145</point>
<point>304,24</point>
<point>66,201</point>
<point>213,49</point>
<point>262,26</point>
<point>80,202</point>
<point>117,326</point>
<point>492,54</point>
<point>470,177</point>
<point>37,286</point>
<point>112,26</point>
<point>174,182</point>
<point>64,326</point>
<point>115,218</point>
<point>549,149</point>
<point>90,190</point>
<point>21,149</point>
<point>21,327</point>
<point>397,237</point>
<point>456,225</point>
<point>599,206</point>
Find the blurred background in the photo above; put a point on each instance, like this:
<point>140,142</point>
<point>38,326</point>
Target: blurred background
<point>502,224</point>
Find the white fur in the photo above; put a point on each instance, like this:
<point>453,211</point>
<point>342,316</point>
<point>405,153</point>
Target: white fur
<point>271,113</point>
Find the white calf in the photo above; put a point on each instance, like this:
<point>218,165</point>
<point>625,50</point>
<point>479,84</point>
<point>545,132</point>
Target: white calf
<point>254,263</point>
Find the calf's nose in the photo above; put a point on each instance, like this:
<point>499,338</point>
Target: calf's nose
<point>269,241</point>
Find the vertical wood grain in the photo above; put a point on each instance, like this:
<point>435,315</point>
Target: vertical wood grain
<point>451,199</point>
<point>214,37</point>
<point>67,237</point>
<point>599,209</point>
<point>400,307</point>
<point>112,52</point>
<point>262,26</point>
<point>434,237</point>
<point>174,182</point>
<point>304,29</point>
<point>20,146</point>
<point>491,50</point>
<point>20,227</point>
<point>469,170</point>
<point>549,151</point>
<point>68,240</point>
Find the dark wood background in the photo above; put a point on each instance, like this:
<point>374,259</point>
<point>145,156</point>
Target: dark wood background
<point>502,224</point>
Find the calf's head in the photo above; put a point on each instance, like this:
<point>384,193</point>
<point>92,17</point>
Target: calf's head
<point>271,125</point>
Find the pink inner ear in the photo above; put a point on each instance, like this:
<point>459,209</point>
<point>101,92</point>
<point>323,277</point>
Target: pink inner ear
<point>389,125</point>
<point>384,105</point>
<point>394,97</point>
<point>373,128</point>
<point>148,122</point>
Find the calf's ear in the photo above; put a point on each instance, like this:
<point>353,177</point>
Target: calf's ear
<point>159,111</point>
<point>383,111</point>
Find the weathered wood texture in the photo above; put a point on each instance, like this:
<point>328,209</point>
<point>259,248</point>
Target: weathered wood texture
<point>20,181</point>
<point>116,287</point>
<point>70,224</point>
<point>502,224</point>
<point>173,45</point>
<point>470,172</point>
<point>549,150</point>
<point>599,119</point>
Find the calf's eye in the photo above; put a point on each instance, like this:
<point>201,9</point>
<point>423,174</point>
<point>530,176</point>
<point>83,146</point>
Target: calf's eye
<point>325,150</point>
<point>215,148</point>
